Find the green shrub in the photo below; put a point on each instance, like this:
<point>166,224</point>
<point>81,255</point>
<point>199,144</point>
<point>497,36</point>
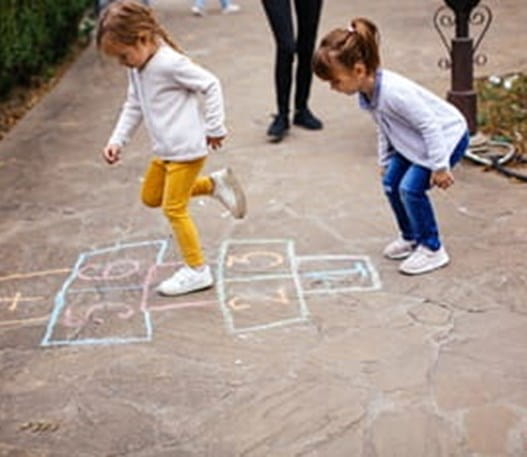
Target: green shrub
<point>35,34</point>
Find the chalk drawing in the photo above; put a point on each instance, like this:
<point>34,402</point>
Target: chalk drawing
<point>105,272</point>
<point>260,284</point>
<point>330,274</point>
<point>34,274</point>
<point>110,271</point>
<point>254,255</point>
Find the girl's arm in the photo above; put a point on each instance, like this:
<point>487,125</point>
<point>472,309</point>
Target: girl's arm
<point>383,147</point>
<point>197,79</point>
<point>129,119</point>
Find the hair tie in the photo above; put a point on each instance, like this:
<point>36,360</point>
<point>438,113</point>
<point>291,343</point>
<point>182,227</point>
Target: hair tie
<point>351,29</point>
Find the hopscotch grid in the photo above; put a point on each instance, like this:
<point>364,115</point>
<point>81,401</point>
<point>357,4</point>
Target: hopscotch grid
<point>365,269</point>
<point>228,316</point>
<point>59,301</point>
<point>220,288</point>
<point>277,324</point>
<point>258,278</point>
<point>99,341</point>
<point>60,298</point>
<point>103,289</point>
<point>376,283</point>
<point>298,283</point>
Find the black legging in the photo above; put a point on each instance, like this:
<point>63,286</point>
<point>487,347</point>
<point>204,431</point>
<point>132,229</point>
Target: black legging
<point>280,18</point>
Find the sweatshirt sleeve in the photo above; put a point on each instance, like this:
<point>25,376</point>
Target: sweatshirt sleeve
<point>129,119</point>
<point>416,113</point>
<point>383,147</point>
<point>197,79</point>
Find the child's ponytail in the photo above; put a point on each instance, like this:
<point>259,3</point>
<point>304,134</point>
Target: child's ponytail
<point>368,42</point>
<point>359,42</point>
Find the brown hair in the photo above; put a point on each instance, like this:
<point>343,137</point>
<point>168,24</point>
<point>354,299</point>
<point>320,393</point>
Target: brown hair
<point>124,21</point>
<point>358,43</point>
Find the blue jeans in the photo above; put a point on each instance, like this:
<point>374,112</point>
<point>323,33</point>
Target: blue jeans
<point>405,184</point>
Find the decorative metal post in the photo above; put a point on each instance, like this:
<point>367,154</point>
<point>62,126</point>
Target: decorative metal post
<point>462,52</point>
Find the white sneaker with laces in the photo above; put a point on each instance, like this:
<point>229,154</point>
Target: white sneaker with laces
<point>228,191</point>
<point>186,280</point>
<point>197,11</point>
<point>232,8</point>
<point>424,260</point>
<point>399,249</point>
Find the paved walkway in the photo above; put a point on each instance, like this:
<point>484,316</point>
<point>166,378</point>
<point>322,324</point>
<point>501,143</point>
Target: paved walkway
<point>311,343</point>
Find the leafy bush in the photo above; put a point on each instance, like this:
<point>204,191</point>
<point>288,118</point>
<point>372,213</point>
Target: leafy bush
<point>35,34</point>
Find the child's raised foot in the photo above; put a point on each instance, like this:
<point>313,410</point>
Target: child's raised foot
<point>229,192</point>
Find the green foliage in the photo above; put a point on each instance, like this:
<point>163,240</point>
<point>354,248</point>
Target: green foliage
<point>502,108</point>
<point>35,34</point>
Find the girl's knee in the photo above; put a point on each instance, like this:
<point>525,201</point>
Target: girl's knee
<point>389,185</point>
<point>152,201</point>
<point>410,193</point>
<point>175,210</point>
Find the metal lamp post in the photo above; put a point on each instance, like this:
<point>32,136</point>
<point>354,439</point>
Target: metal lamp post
<point>462,52</point>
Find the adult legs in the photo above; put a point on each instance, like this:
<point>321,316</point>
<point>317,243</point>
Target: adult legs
<point>308,16</point>
<point>279,15</point>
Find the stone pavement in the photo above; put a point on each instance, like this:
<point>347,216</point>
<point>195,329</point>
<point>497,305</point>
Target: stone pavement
<point>311,343</point>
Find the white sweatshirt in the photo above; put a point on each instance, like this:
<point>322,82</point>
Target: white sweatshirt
<point>415,122</point>
<point>166,94</point>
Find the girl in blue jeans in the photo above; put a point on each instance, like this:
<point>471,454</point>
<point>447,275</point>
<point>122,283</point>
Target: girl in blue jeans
<point>420,138</point>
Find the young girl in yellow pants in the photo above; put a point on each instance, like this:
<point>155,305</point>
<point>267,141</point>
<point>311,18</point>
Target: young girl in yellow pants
<point>163,90</point>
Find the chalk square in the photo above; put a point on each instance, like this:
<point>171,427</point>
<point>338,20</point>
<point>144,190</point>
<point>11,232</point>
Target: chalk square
<point>255,259</point>
<point>337,273</point>
<point>120,266</point>
<point>100,317</point>
<point>273,303</point>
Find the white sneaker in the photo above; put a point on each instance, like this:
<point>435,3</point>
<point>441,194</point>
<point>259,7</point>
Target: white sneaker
<point>186,280</point>
<point>424,260</point>
<point>228,191</point>
<point>229,9</point>
<point>197,11</point>
<point>399,249</point>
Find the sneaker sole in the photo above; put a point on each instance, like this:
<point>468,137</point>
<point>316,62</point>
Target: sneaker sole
<point>231,180</point>
<point>423,271</point>
<point>301,125</point>
<point>398,256</point>
<point>277,138</point>
<point>200,289</point>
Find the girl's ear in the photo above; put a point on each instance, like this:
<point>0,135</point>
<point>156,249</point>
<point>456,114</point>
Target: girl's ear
<point>144,38</point>
<point>359,69</point>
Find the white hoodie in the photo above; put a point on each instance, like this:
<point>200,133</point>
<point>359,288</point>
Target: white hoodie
<point>166,94</point>
<point>413,121</point>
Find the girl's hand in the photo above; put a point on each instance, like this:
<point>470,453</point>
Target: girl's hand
<point>215,142</point>
<point>442,179</point>
<point>111,153</point>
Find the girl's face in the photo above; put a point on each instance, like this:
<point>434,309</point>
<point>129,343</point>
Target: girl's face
<point>349,81</point>
<point>131,56</point>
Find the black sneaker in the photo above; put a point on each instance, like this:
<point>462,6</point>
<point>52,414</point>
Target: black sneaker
<point>278,128</point>
<point>305,118</point>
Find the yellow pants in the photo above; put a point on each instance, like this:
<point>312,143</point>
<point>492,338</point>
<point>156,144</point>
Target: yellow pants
<point>171,185</point>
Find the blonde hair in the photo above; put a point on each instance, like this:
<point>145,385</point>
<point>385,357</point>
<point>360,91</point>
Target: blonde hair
<point>357,43</point>
<point>126,21</point>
